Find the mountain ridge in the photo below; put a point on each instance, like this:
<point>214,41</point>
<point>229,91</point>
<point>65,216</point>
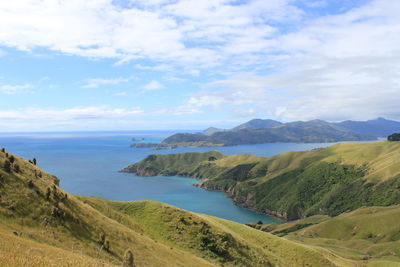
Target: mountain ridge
<point>289,185</point>
<point>259,131</point>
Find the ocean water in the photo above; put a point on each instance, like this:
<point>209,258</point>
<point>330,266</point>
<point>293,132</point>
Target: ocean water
<point>88,164</point>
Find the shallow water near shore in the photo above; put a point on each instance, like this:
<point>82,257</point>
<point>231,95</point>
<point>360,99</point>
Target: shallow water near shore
<point>88,164</point>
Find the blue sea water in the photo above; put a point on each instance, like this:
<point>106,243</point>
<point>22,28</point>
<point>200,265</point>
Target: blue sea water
<point>88,164</point>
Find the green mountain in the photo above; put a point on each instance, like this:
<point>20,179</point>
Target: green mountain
<point>294,185</point>
<point>257,124</point>
<point>379,127</point>
<point>368,233</point>
<point>269,131</point>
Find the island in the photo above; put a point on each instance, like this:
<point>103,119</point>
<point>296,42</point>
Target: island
<point>259,131</point>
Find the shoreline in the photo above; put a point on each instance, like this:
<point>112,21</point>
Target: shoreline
<point>242,205</point>
<point>227,195</point>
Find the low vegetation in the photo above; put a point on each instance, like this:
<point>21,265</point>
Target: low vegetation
<point>370,233</point>
<point>42,225</point>
<point>294,185</point>
<point>394,137</point>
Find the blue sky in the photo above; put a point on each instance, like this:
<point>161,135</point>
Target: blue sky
<point>189,64</point>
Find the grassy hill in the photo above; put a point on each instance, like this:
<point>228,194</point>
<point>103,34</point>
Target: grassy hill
<point>42,225</point>
<point>371,233</point>
<point>295,185</point>
<point>266,131</point>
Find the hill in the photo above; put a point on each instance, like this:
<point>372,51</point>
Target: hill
<point>42,225</point>
<point>315,131</point>
<point>379,127</point>
<point>259,131</point>
<point>257,124</point>
<point>294,185</point>
<point>367,233</point>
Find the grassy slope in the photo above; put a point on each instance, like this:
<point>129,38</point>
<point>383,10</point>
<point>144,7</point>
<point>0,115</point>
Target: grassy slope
<point>369,233</point>
<point>296,184</point>
<point>58,231</point>
<point>227,242</point>
<point>24,209</point>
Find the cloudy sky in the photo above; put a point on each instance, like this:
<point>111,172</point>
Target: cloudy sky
<point>190,64</point>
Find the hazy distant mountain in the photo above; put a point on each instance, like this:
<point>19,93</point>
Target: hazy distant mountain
<point>212,130</point>
<point>315,131</point>
<point>379,127</point>
<point>256,124</point>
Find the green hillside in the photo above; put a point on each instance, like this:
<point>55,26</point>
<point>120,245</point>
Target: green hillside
<point>267,131</point>
<point>295,185</point>
<point>369,233</point>
<point>42,225</point>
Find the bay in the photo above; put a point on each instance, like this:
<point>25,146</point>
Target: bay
<point>87,163</point>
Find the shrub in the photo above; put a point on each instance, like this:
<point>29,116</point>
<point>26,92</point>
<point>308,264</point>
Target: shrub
<point>48,193</point>
<point>102,238</point>
<point>17,168</point>
<point>394,137</point>
<point>7,166</point>
<point>128,259</point>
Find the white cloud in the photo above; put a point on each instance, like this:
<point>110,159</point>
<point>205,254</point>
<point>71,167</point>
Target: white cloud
<point>97,82</point>
<point>197,33</point>
<point>14,89</point>
<point>77,113</point>
<point>336,67</point>
<point>153,85</point>
<point>271,53</point>
<point>121,94</point>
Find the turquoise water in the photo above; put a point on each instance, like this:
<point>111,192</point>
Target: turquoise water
<point>88,164</point>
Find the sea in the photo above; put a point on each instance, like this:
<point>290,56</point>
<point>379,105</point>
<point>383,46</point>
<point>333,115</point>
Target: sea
<point>87,163</point>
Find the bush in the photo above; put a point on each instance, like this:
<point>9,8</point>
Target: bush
<point>17,168</point>
<point>394,137</point>
<point>7,166</point>
<point>128,259</point>
<point>12,159</point>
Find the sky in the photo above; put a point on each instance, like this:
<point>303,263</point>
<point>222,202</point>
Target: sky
<point>85,65</point>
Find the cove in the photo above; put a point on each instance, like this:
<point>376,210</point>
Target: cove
<point>88,164</point>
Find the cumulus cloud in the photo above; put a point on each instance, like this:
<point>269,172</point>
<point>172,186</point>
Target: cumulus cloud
<point>200,33</point>
<point>337,67</point>
<point>273,57</point>
<point>153,85</point>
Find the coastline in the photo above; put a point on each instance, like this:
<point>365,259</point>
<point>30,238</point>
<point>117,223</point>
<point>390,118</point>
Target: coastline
<point>227,194</point>
<point>242,204</point>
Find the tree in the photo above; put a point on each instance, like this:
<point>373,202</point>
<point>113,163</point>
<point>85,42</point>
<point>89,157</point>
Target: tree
<point>17,168</point>
<point>128,259</point>
<point>102,238</point>
<point>212,158</point>
<point>394,137</point>
<point>48,193</point>
<point>106,246</point>
<point>7,166</point>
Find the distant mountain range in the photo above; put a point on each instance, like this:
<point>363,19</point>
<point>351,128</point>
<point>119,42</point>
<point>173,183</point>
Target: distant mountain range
<point>379,127</point>
<point>259,131</point>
